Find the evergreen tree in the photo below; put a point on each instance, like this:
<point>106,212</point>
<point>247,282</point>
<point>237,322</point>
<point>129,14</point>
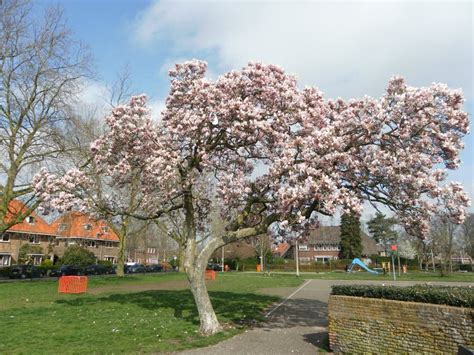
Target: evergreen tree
<point>351,242</point>
<point>381,229</point>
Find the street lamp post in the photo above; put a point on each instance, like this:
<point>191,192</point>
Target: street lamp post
<point>297,259</point>
<point>222,259</point>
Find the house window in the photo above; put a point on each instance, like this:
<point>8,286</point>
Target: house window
<point>112,259</point>
<point>90,243</point>
<point>34,239</point>
<point>108,245</point>
<point>105,229</point>
<point>151,250</point>
<point>36,258</point>
<point>5,260</point>
<point>303,247</point>
<point>30,220</point>
<point>88,227</point>
<point>323,259</point>
<point>70,242</point>
<point>5,237</point>
<point>62,227</point>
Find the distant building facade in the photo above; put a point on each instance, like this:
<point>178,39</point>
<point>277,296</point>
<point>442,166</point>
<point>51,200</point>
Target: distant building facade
<point>324,244</point>
<point>49,241</point>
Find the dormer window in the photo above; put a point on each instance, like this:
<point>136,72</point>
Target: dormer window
<point>62,227</point>
<point>105,229</point>
<point>88,227</point>
<point>30,220</point>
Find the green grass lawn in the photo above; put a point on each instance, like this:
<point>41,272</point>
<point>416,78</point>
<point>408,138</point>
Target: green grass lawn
<point>36,319</point>
<point>125,315</point>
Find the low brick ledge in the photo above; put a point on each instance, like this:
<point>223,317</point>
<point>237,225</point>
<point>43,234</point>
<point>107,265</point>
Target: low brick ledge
<point>373,325</point>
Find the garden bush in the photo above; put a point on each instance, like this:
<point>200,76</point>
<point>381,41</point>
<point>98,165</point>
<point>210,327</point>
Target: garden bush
<point>47,266</point>
<point>459,296</point>
<point>105,263</point>
<point>76,255</point>
<point>465,267</point>
<point>5,271</point>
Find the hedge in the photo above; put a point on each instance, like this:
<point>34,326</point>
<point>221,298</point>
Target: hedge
<point>5,271</point>
<point>460,296</point>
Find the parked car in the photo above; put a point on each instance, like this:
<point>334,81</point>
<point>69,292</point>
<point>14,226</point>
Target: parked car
<point>214,266</point>
<point>25,272</point>
<point>154,268</point>
<point>68,270</point>
<point>96,269</point>
<point>135,269</point>
<point>112,269</point>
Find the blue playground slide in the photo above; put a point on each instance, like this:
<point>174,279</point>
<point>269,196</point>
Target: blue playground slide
<point>357,261</point>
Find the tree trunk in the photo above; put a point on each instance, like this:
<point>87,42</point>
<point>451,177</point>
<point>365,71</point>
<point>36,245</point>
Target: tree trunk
<point>207,317</point>
<point>181,259</point>
<point>121,256</point>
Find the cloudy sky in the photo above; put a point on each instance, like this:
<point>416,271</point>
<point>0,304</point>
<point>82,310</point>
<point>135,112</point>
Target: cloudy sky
<point>347,49</point>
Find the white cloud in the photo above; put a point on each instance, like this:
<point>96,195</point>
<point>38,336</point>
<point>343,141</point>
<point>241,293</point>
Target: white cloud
<point>93,99</point>
<point>156,106</point>
<point>347,49</point>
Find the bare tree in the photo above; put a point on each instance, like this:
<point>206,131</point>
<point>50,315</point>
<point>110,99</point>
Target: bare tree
<point>40,68</point>
<point>443,235</point>
<point>467,239</point>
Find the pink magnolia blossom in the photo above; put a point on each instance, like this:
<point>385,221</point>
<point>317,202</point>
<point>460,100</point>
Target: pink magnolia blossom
<point>259,145</point>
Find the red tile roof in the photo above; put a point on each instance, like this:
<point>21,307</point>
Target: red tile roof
<point>74,225</point>
<point>281,249</point>
<point>81,225</point>
<point>39,226</point>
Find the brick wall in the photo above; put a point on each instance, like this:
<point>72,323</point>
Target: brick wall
<point>384,326</point>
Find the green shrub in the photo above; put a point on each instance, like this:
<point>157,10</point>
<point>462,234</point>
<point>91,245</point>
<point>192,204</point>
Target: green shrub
<point>24,256</point>
<point>277,261</point>
<point>75,255</point>
<point>248,264</point>
<point>47,263</point>
<point>5,271</point>
<point>106,263</point>
<point>47,266</point>
<point>465,267</point>
<point>459,296</point>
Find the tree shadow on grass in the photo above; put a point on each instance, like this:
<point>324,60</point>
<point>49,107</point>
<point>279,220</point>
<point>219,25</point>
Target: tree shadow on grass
<point>238,308</point>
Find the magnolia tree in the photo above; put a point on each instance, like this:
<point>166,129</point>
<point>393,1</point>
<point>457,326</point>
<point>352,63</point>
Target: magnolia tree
<point>268,153</point>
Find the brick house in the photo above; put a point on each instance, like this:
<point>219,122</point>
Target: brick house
<point>51,240</point>
<point>76,228</point>
<point>323,244</point>
<point>282,250</point>
<point>148,255</point>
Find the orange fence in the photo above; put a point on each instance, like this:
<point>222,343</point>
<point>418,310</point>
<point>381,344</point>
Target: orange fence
<point>72,284</point>
<point>210,275</point>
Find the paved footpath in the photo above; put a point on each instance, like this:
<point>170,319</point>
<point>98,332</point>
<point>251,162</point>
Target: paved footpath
<point>298,325</point>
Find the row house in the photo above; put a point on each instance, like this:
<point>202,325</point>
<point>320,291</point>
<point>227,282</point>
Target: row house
<point>43,240</point>
<point>145,255</point>
<point>76,228</point>
<point>323,244</point>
